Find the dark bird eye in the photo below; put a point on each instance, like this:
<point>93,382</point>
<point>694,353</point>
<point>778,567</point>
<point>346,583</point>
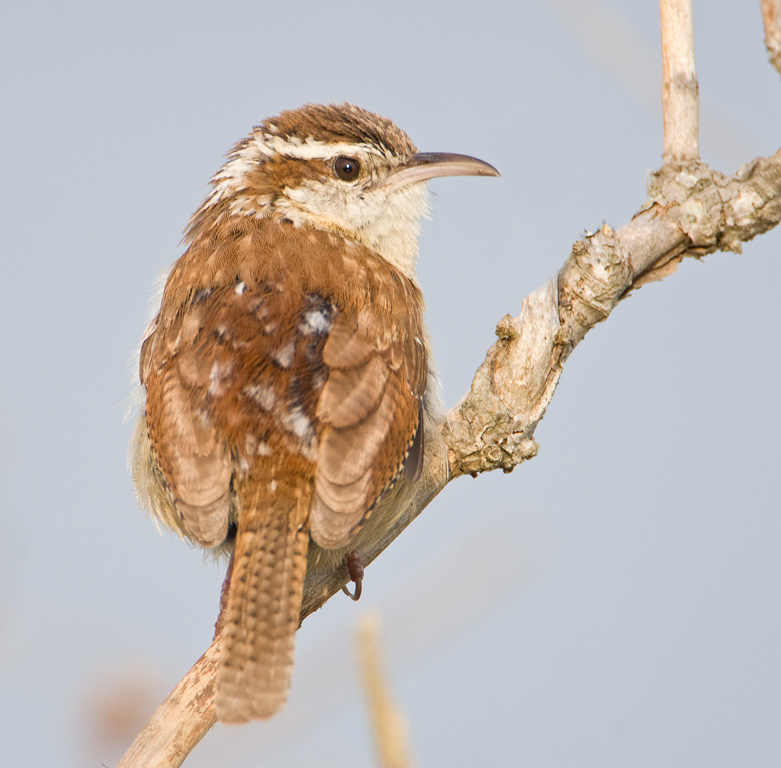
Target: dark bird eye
<point>346,168</point>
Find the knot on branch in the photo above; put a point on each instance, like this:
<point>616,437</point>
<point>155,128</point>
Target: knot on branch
<point>755,203</point>
<point>714,211</point>
<point>690,195</point>
<point>481,440</point>
<point>492,427</point>
<point>593,279</point>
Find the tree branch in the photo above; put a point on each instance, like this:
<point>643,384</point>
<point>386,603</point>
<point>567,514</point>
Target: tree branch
<point>771,17</point>
<point>691,211</point>
<point>181,721</point>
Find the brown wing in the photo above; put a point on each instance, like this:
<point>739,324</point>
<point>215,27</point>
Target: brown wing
<point>369,414</point>
<point>233,378</point>
<point>193,459</point>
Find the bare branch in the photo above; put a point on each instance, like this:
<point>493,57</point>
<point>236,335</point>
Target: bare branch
<point>771,17</point>
<point>680,97</point>
<point>691,211</point>
<point>181,721</point>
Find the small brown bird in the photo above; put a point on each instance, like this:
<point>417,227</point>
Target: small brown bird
<point>286,374</point>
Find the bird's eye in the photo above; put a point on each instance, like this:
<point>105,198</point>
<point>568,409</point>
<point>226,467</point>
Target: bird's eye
<point>346,168</point>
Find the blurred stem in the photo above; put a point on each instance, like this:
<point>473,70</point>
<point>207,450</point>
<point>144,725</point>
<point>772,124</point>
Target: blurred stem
<point>389,726</point>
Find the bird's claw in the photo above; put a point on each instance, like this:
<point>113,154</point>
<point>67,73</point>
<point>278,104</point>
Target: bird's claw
<point>355,568</point>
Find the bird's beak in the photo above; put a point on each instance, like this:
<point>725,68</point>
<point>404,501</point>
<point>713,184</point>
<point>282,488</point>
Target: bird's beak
<point>430,165</point>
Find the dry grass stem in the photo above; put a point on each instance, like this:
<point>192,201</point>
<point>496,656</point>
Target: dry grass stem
<point>389,726</point>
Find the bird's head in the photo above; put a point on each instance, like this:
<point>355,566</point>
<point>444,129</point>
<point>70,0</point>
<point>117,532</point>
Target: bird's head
<point>337,168</point>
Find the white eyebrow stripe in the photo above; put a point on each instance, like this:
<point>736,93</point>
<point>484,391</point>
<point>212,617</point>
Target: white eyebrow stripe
<point>311,149</point>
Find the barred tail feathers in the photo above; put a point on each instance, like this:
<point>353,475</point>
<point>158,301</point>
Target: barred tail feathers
<point>263,605</point>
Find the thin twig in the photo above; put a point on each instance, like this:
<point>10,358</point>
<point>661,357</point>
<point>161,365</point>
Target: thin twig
<point>680,98</point>
<point>771,17</point>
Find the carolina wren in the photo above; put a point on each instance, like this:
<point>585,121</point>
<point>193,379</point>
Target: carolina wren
<point>287,374</point>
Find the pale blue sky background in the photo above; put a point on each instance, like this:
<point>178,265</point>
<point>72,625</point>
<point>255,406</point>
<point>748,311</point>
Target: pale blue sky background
<point>615,602</point>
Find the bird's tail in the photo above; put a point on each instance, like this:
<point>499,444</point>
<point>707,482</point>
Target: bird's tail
<point>261,615</point>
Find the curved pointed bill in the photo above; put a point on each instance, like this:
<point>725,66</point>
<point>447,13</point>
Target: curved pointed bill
<point>431,165</point>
